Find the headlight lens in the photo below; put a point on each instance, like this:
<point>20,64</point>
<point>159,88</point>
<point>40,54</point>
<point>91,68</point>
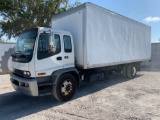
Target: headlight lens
<point>26,74</point>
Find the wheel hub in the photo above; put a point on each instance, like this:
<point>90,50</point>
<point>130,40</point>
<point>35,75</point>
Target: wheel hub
<point>134,71</point>
<point>66,87</point>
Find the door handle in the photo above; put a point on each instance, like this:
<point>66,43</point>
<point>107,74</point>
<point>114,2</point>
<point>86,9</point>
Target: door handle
<point>65,57</point>
<point>59,58</point>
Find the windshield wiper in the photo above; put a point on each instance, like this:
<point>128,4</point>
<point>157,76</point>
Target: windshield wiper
<point>19,52</point>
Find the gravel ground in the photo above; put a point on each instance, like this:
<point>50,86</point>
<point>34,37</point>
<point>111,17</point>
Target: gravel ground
<point>114,98</point>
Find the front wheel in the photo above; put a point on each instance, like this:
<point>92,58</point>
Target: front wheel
<point>65,88</point>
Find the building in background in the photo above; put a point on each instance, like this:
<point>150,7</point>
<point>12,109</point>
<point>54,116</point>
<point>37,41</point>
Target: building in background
<point>155,57</point>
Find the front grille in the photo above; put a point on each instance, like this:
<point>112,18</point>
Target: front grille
<point>18,72</point>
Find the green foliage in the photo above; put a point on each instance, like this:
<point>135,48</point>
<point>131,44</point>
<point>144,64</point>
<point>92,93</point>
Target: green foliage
<point>68,6</point>
<point>20,15</point>
<point>1,40</point>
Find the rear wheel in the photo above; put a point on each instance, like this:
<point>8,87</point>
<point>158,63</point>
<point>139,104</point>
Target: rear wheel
<point>131,71</point>
<point>65,88</point>
<point>124,70</point>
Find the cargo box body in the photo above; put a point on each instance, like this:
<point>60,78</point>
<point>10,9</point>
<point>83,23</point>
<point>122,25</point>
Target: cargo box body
<point>104,38</point>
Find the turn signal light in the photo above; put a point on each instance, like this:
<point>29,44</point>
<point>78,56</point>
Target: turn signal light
<point>26,85</point>
<point>39,74</point>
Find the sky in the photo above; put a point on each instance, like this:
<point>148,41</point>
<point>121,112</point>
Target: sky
<point>144,11</point>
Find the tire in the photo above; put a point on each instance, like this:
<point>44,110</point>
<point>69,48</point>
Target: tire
<point>65,88</point>
<point>131,71</point>
<point>124,70</point>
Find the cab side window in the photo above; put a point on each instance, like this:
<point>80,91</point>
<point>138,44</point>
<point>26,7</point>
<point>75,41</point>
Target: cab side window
<point>48,47</point>
<point>67,44</point>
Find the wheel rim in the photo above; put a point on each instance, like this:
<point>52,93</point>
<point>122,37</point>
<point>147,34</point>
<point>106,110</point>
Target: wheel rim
<point>134,71</point>
<point>66,87</point>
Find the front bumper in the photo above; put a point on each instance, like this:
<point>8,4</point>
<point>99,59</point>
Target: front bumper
<point>18,83</point>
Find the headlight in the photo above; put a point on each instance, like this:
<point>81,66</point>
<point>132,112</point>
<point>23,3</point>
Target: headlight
<point>26,74</point>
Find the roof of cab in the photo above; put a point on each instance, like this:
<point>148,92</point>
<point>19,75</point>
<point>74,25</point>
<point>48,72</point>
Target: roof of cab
<point>42,29</point>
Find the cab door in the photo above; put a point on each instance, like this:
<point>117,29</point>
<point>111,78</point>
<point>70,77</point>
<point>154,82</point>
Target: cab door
<point>68,51</point>
<point>49,53</point>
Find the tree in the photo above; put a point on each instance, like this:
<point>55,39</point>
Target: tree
<point>1,40</point>
<point>20,15</point>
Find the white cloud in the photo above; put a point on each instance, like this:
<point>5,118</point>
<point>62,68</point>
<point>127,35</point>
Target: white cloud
<point>152,19</point>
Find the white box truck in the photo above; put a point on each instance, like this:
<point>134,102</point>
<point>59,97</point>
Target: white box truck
<point>83,44</point>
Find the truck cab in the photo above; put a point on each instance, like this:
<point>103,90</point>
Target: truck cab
<point>40,57</point>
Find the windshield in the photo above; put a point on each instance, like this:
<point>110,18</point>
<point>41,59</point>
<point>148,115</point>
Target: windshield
<point>25,46</point>
<point>25,43</point>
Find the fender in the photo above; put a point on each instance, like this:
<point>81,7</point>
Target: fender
<point>56,74</point>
